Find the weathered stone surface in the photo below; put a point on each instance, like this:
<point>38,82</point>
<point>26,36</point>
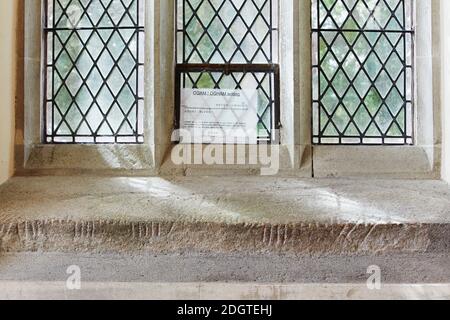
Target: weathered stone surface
<point>224,215</point>
<point>101,235</point>
<point>14,290</point>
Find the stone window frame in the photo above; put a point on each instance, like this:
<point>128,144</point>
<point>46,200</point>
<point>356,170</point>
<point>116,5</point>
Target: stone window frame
<point>424,157</point>
<point>298,156</point>
<point>33,155</point>
<point>295,141</point>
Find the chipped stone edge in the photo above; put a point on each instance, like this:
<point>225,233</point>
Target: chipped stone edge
<point>173,236</point>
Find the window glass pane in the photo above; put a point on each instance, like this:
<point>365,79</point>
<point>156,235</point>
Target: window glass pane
<point>227,31</point>
<point>362,72</point>
<point>94,71</point>
<point>231,45</point>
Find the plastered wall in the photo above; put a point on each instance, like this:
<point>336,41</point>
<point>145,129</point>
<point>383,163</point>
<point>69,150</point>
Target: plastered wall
<point>7,85</point>
<point>445,38</point>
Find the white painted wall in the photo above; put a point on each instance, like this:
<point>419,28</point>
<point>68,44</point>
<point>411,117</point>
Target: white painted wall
<point>445,38</point>
<point>7,86</point>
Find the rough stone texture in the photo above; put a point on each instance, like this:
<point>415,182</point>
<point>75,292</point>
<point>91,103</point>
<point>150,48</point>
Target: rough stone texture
<point>373,161</point>
<point>90,157</point>
<point>194,275</point>
<point>224,215</point>
<point>209,267</point>
<point>67,235</point>
<point>445,87</point>
<point>13,290</point>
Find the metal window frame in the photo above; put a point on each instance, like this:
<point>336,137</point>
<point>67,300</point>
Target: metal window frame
<point>409,140</point>
<point>227,69</point>
<point>138,100</point>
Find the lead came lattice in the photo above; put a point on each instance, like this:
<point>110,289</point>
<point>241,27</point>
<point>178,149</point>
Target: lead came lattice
<point>231,44</point>
<point>362,71</point>
<point>94,71</point>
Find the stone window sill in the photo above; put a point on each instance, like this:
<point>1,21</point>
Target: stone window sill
<point>89,158</point>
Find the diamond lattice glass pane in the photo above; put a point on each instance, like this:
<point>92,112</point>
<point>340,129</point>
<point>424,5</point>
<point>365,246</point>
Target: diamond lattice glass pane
<point>227,31</point>
<point>362,70</point>
<point>232,44</point>
<point>94,78</point>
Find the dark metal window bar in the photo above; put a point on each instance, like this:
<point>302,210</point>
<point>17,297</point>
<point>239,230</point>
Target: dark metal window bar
<point>229,44</point>
<point>363,72</point>
<point>94,69</point>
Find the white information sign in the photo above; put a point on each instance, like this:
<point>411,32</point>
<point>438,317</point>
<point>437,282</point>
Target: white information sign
<point>219,116</point>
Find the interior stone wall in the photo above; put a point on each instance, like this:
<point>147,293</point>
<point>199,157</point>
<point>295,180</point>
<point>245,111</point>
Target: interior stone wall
<point>445,73</point>
<point>423,160</point>
<point>8,56</point>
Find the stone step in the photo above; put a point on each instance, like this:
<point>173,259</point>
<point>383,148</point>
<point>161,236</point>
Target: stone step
<point>246,214</point>
<point>109,235</point>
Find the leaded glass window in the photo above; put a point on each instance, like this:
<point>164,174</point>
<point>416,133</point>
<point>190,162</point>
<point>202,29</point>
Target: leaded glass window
<point>231,44</point>
<point>94,71</point>
<point>362,71</point>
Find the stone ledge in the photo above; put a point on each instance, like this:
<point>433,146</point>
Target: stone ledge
<point>234,214</point>
<point>54,290</point>
<point>374,161</point>
<point>127,157</point>
<point>123,236</point>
